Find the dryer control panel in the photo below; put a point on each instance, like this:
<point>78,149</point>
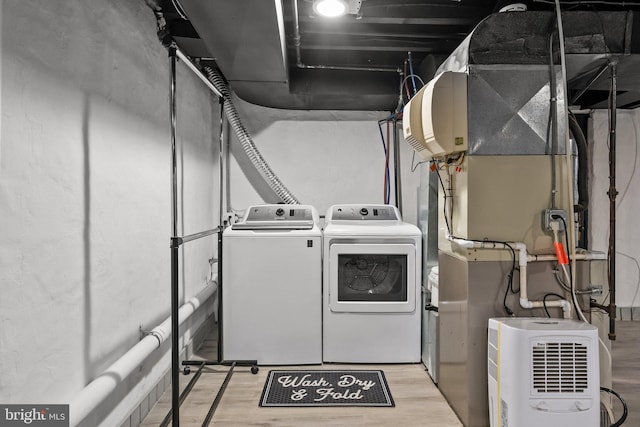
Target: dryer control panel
<point>365,213</point>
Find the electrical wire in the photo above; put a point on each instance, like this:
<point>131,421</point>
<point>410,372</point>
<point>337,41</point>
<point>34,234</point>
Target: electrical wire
<point>574,298</point>
<point>444,192</point>
<point>404,81</point>
<point>414,165</point>
<point>510,281</point>
<point>564,286</point>
<point>413,80</point>
<point>178,7</point>
<point>386,153</point>
<point>625,410</point>
<point>544,301</point>
<point>514,267</point>
<point>413,76</point>
<point>569,233</point>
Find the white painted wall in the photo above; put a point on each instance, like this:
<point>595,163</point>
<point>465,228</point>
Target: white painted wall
<point>324,158</point>
<point>627,202</point>
<point>84,191</point>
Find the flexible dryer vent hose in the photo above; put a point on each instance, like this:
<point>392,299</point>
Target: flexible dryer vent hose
<point>247,142</point>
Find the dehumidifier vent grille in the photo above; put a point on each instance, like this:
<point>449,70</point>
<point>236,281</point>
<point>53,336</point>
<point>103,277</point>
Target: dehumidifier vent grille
<point>560,367</point>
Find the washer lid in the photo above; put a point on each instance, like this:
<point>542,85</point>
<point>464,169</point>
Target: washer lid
<point>277,217</point>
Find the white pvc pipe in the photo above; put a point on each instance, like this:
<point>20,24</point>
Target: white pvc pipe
<point>100,388</point>
<point>522,263</point>
<point>586,256</point>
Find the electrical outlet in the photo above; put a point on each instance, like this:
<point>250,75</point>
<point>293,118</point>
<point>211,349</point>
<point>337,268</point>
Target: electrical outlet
<point>549,214</point>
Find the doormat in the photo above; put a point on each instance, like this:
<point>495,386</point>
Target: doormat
<point>326,388</point>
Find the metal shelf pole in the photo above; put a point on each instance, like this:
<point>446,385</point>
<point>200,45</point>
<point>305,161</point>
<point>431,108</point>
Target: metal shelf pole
<point>177,241</point>
<point>175,325</point>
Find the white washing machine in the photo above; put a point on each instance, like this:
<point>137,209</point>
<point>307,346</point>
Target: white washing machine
<point>371,286</point>
<point>272,286</point>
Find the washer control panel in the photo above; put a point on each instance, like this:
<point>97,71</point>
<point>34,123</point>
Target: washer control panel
<point>278,213</point>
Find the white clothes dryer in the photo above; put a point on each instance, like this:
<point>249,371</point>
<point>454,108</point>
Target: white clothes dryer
<point>272,286</point>
<point>371,286</point>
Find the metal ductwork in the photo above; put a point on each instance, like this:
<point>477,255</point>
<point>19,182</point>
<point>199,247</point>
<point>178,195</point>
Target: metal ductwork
<point>247,40</point>
<point>591,40</point>
<point>270,60</point>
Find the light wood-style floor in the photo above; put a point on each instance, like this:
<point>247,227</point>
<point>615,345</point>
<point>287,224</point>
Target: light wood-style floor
<point>626,369</point>
<point>418,401</point>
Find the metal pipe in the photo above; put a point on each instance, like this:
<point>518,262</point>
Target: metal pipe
<point>554,123</point>
<point>346,68</point>
<point>185,392</point>
<point>218,398</point>
<point>300,64</point>
<point>589,83</point>
<point>175,326</point>
<point>251,363</point>
<point>174,157</point>
<point>178,241</point>
<point>197,72</point>
<point>227,175</point>
<point>221,165</point>
<point>396,166</point>
<point>612,193</point>
<point>220,283</point>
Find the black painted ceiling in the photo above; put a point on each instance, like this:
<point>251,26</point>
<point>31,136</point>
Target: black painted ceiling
<point>351,62</point>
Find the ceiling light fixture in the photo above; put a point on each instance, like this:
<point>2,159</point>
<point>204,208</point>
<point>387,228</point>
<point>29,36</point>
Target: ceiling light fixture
<point>330,8</point>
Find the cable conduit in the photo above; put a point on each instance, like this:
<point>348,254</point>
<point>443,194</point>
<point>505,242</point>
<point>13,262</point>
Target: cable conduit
<point>247,142</point>
<point>100,388</point>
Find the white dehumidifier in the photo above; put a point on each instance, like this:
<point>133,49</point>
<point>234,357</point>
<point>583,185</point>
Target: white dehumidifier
<point>543,372</point>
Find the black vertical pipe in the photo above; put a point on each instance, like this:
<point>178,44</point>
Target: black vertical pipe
<point>221,164</point>
<point>396,166</point>
<point>612,203</point>
<point>175,325</point>
<point>221,225</point>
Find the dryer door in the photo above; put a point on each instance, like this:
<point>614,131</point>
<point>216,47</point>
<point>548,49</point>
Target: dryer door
<point>372,278</point>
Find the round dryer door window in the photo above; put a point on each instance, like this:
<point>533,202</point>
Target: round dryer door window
<point>372,277</point>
